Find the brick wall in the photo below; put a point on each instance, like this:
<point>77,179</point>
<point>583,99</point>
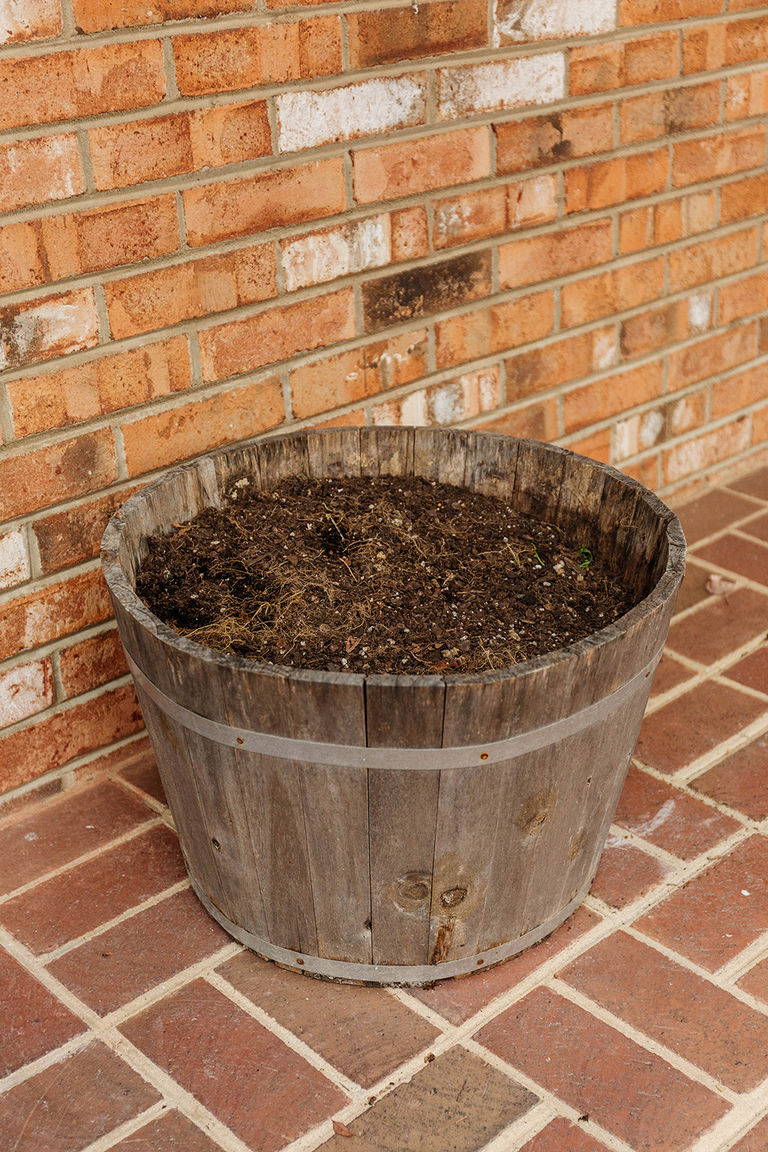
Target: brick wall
<point>220,218</point>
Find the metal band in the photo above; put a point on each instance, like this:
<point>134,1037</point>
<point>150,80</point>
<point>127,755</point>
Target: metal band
<point>357,756</point>
<point>413,975</point>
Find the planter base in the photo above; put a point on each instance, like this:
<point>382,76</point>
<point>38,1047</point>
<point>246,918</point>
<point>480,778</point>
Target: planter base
<point>404,975</point>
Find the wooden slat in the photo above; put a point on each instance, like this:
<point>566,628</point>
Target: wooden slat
<point>386,451</point>
<point>578,500</point>
<point>538,479</point>
<point>491,465</point>
<point>334,452</point>
<point>402,712</point>
<point>440,454</point>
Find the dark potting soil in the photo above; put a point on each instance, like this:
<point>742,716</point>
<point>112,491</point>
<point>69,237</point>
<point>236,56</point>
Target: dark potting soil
<point>391,575</point>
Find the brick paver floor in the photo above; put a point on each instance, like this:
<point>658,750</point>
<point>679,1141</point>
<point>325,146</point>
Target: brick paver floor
<point>131,1021</point>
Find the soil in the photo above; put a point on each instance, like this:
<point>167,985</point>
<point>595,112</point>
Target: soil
<point>388,575</point>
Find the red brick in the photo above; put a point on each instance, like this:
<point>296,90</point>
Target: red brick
<point>171,1132</point>
<point>457,1088</point>
<point>712,355</point>
<point>718,913</point>
<point>132,13</point>
<point>654,329</point>
<point>558,362</point>
<point>703,451</point>
<point>58,399</point>
<point>448,402</point>
<point>532,422</point>
<point>277,334</point>
<point>741,780</point>
<point>382,37</point>
<point>421,291</point>
<point>54,834</point>
<point>74,535</point>
<point>719,155</point>
<point>745,557</point>
<point>601,67</point>
<point>410,233</point>
<point>554,254</point>
<point>613,291</point>
<point>594,402</point>
<point>47,475</point>
<point>710,259</point>
<point>168,937</point>
<point>67,906</point>
<point>31,20</point>
<point>743,198</point>
<point>92,663</point>
<point>394,170</point>
<point>757,1138</point>
<point>669,818</point>
<point>704,48</point>
<point>539,140</point>
<point>253,204</point>
<point>51,326</point>
<point>675,1007</point>
<point>630,1091</point>
<point>597,446</point>
<point>746,95</point>
<point>670,220</point>
<point>664,113</point>
<point>233,58</point>
<point>35,1021</point>
<point>746,40</point>
<point>143,774</point>
<point>344,379</point>
<point>743,297</point>
<point>492,210</point>
<point>669,674</point>
<point>185,291</point>
<point>458,1000</point>
<point>86,82</point>
<point>614,181</point>
<point>712,512</point>
<point>41,747</point>
<point>693,725</point>
<point>80,1098</point>
<point>165,437</point>
<point>36,171</point>
<point>562,1136</point>
<point>21,262</point>
<point>649,11</point>
<point>52,611</point>
<point>262,1090</point>
<point>361,1031</point>
<point>721,627</point>
<point>626,873</point>
<point>496,329</point>
<point>142,150</point>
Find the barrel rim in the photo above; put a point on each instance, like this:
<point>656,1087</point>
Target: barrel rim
<point>120,587</point>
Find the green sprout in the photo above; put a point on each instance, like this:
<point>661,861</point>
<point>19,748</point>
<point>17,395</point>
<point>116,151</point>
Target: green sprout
<point>586,557</point>
<point>536,554</point>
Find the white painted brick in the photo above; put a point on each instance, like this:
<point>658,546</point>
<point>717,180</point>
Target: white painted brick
<point>704,451</point>
<point>604,349</point>
<point>14,563</point>
<point>500,84</point>
<point>637,433</point>
<point>25,690</point>
<point>700,311</point>
<point>308,119</point>
<point>443,404</point>
<point>518,21</point>
<point>24,19</point>
<point>534,200</point>
<point>322,256</point>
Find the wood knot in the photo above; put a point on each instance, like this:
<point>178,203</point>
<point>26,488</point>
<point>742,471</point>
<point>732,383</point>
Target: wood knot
<point>452,897</point>
<point>413,888</point>
<point>535,812</point>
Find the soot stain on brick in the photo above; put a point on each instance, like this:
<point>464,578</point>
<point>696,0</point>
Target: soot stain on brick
<point>422,291</point>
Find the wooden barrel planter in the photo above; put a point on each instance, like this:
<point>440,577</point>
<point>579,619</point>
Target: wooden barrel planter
<point>400,829</point>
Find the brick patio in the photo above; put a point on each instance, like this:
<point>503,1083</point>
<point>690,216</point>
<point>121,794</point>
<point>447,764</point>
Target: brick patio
<point>132,1022</point>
